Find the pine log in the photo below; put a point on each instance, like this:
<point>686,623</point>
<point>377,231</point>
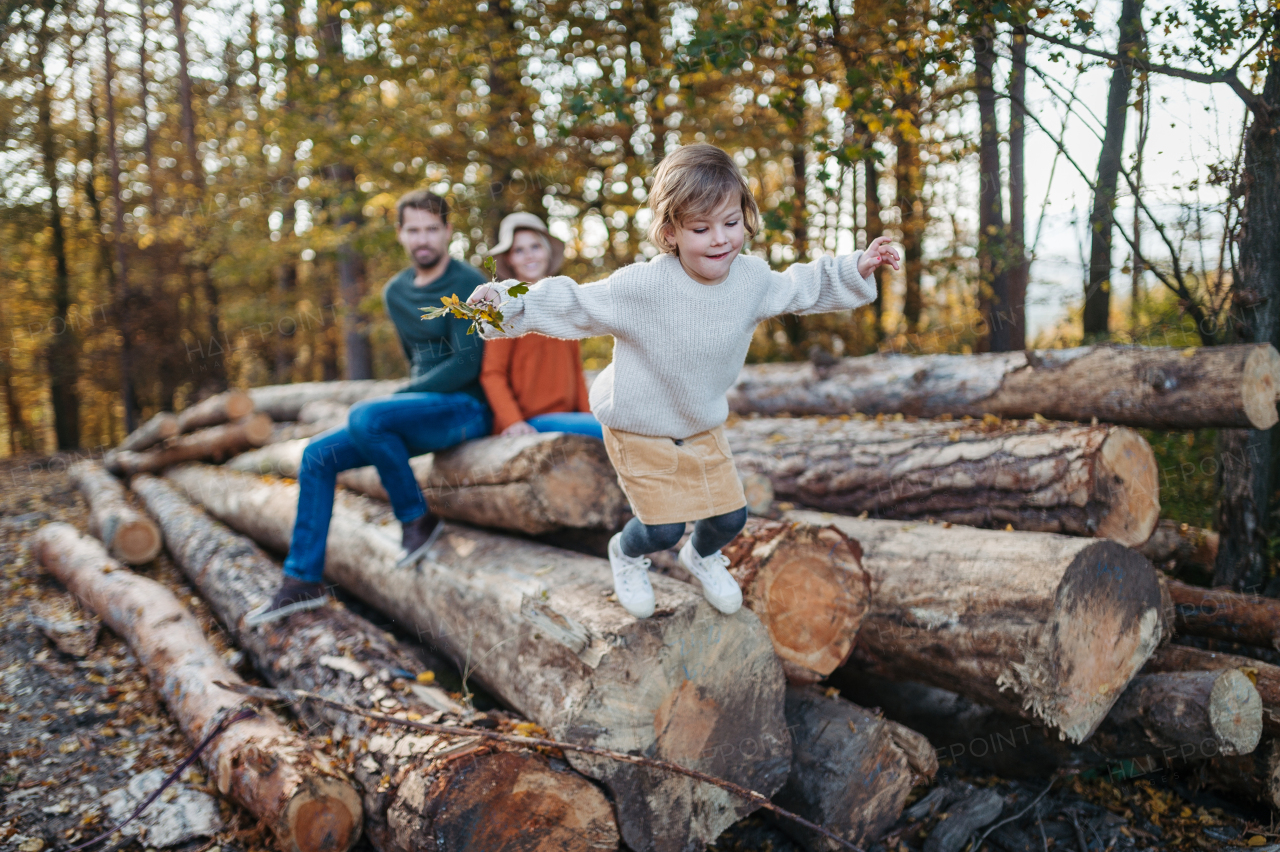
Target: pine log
<point>1224,614</point>
<point>1045,626</point>
<point>159,428</point>
<point>1152,388</point>
<point>212,444</point>
<point>532,484</point>
<point>324,411</point>
<point>284,402</point>
<point>1041,477</point>
<point>434,800</point>
<point>306,801</point>
<point>1255,775</point>
<point>1181,546</point>
<point>851,769</point>
<point>534,626</point>
<point>808,588</point>
<point>218,409</point>
<point>1265,677</point>
<point>129,535</point>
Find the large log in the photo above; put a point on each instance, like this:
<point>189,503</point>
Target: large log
<point>214,411</point>
<point>1181,546</point>
<point>284,402</point>
<point>851,769</point>
<point>1046,626</point>
<point>1154,388</point>
<point>159,428</point>
<point>532,484</point>
<point>412,798</point>
<point>212,444</point>
<point>1224,614</point>
<point>129,535</point>
<point>1265,677</point>
<point>535,626</point>
<point>1042,477</point>
<point>296,791</point>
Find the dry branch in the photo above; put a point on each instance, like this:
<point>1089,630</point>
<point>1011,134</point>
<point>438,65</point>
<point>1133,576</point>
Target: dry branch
<point>296,791</point>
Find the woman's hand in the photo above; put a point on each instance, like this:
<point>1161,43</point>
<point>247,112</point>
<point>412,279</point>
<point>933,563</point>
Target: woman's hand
<point>520,427</point>
<point>485,293</point>
<point>876,255</point>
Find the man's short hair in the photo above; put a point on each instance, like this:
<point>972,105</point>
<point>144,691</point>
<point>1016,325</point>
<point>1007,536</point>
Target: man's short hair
<point>422,199</point>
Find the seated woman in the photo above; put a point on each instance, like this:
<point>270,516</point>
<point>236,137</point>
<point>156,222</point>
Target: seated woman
<point>534,383</point>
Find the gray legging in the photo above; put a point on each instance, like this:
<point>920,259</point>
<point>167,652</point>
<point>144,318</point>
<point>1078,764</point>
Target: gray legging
<point>709,534</point>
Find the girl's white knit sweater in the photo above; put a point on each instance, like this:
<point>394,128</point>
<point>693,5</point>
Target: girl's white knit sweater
<point>678,345</point>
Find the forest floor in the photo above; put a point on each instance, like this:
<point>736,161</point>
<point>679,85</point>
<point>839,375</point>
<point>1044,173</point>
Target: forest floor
<point>73,729</point>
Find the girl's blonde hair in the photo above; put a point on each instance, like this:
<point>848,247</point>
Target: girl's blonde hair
<point>691,182</point>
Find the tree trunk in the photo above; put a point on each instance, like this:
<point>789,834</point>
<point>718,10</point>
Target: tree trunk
<point>1019,264</point>
<point>533,625</point>
<point>1222,614</point>
<point>296,791</point>
<point>1245,460</point>
<point>284,402</point>
<point>532,484</point>
<point>1265,677</point>
<point>1152,388</point>
<point>993,261</point>
<point>214,411</point>
<point>215,443</point>
<point>63,352</point>
<point>1043,626</point>
<point>1079,480</point>
<point>851,769</point>
<point>433,800</point>
<point>186,97</point>
<point>875,227</point>
<point>159,428</point>
<point>1255,775</point>
<point>1181,546</point>
<point>127,534</point>
<point>911,211</point>
<point>1097,295</point>
<point>122,297</point>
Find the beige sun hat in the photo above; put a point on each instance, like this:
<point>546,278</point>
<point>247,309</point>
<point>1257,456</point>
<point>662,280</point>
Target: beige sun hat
<point>507,235</point>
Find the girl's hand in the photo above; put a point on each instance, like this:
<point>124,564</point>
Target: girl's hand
<point>876,255</point>
<point>487,293</point>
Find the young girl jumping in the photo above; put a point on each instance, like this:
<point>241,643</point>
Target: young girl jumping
<point>682,324</point>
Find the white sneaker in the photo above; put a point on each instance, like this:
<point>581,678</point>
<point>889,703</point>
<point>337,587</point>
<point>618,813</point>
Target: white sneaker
<point>631,580</point>
<point>718,585</point>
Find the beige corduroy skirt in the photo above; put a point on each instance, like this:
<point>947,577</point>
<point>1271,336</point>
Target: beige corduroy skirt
<point>670,481</point>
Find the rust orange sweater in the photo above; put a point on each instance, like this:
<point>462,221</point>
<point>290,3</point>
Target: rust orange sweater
<point>532,375</point>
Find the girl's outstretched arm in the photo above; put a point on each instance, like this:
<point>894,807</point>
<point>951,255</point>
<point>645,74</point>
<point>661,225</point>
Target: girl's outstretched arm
<point>829,283</point>
<point>556,307</point>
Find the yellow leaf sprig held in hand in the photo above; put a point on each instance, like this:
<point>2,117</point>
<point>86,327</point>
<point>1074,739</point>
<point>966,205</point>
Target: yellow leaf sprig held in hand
<point>485,312</point>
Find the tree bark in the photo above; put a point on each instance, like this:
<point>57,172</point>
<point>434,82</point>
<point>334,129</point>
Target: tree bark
<point>993,261</point>
<point>284,402</point>
<point>909,176</point>
<point>127,534</point>
<point>1043,477</point>
<point>1181,546</point>
<point>1223,614</point>
<point>532,484</point>
<point>1019,264</point>
<point>1043,626</point>
<point>1265,677</point>
<point>851,769</point>
<point>1245,461</point>
<point>434,798</point>
<point>875,227</point>
<point>214,411</point>
<point>1097,295</point>
<point>1255,775</point>
<point>1152,388</point>
<point>532,624</point>
<point>296,791</point>
<point>215,443</point>
<point>160,427</point>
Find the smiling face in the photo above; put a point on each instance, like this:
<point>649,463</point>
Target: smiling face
<point>707,244</point>
<point>425,237</point>
<point>529,256</point>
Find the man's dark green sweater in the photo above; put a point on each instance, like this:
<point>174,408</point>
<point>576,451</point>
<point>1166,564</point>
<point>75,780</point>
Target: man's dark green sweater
<point>443,358</point>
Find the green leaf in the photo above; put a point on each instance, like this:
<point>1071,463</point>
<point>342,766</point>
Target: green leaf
<point>491,266</point>
<point>518,290</point>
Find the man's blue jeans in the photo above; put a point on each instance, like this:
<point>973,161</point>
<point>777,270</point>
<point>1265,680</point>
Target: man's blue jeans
<point>575,422</point>
<point>385,433</point>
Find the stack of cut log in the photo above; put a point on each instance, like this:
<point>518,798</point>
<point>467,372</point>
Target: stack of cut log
<point>978,574</point>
